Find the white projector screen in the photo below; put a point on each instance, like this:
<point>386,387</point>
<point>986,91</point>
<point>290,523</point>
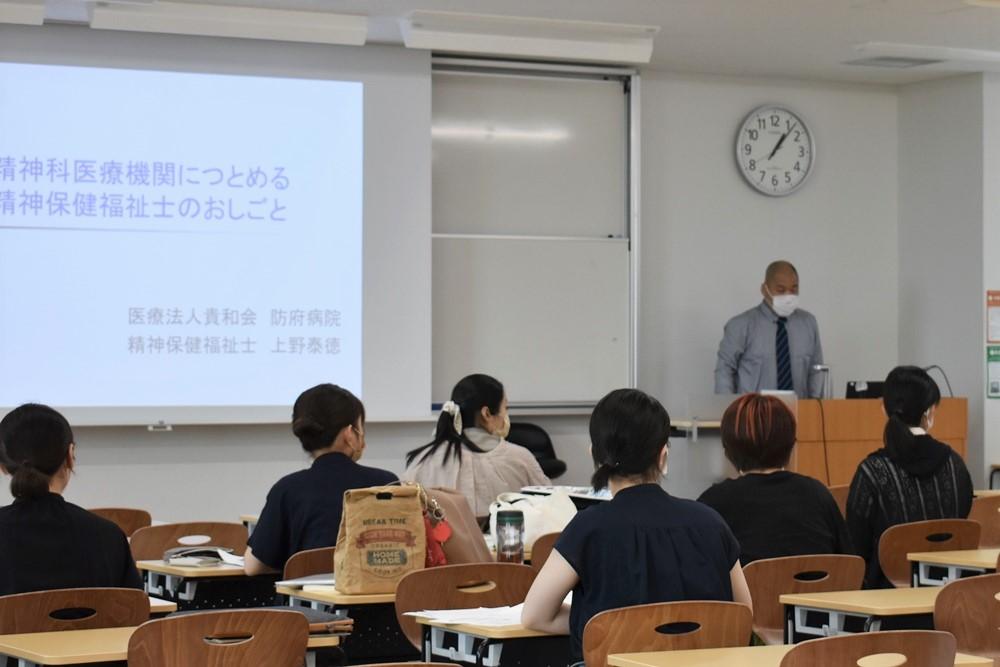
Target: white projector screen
<point>178,239</point>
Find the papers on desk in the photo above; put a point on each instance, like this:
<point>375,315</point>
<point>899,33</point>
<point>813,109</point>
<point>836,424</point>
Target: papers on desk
<point>488,617</point>
<point>311,580</point>
<point>585,492</point>
<point>204,557</point>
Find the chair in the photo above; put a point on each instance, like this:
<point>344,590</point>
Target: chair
<point>459,587</point>
<point>934,535</point>
<point>126,518</point>
<point>536,440</point>
<point>771,577</point>
<point>666,626</point>
<point>839,493</point>
<point>308,562</point>
<point>413,664</point>
<point>969,609</point>
<point>921,648</point>
<point>541,549</point>
<point>72,609</point>
<point>272,637</point>
<point>151,542</point>
<point>986,511</point>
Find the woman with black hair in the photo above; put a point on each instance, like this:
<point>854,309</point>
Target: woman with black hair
<point>469,451</point>
<point>912,478</point>
<point>46,542</point>
<point>643,546</point>
<point>303,509</point>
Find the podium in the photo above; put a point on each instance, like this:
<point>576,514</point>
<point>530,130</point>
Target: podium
<point>852,429</point>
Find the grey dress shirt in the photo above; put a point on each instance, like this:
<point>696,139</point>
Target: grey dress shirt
<point>747,360</point>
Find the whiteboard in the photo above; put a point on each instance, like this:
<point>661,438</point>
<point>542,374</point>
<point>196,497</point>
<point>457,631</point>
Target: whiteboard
<point>548,317</point>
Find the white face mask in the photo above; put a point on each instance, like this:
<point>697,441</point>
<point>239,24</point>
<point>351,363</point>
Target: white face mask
<point>504,429</point>
<point>784,304</point>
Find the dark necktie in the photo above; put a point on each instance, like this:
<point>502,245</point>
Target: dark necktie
<point>783,358</point>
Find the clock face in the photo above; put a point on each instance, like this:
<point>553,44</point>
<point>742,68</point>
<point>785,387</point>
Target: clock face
<point>774,150</point>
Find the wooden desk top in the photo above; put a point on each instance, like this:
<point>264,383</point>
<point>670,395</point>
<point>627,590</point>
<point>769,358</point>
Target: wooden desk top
<point>689,424</point>
<point>487,632</point>
<point>158,606</point>
<point>189,572</point>
<point>749,656</point>
<point>986,493</point>
<point>330,595</point>
<point>79,647</point>
<point>984,558</point>
<point>249,518</point>
<point>879,602</point>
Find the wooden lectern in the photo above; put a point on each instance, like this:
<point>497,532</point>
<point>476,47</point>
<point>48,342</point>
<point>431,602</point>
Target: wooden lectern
<point>852,429</point>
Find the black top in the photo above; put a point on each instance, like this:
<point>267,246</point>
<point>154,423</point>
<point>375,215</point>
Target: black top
<point>931,483</point>
<point>779,514</point>
<point>641,547</point>
<point>48,543</point>
<point>303,509</point>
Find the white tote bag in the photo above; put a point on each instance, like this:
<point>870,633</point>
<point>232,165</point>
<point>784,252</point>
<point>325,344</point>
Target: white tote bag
<point>542,514</point>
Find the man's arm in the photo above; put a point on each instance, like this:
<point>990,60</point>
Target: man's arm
<point>731,349</point>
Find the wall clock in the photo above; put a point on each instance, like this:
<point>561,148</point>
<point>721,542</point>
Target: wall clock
<point>774,150</point>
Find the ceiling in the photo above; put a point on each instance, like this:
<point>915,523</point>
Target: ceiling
<point>802,39</point>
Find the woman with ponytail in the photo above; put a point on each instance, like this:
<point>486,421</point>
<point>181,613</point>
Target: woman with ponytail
<point>469,451</point>
<point>912,478</point>
<point>644,545</point>
<point>303,509</point>
<point>46,542</point>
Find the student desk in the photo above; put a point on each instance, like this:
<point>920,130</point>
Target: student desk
<point>180,582</point>
<point>82,647</point>
<point>748,656</point>
<point>871,605</point>
<point>250,521</point>
<point>957,564</point>
<point>490,641</point>
<point>986,493</point>
<point>158,607</point>
<point>331,598</point>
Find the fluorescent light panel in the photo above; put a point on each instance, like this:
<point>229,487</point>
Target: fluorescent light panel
<point>894,50</point>
<point>528,37</point>
<point>245,22</point>
<point>23,13</point>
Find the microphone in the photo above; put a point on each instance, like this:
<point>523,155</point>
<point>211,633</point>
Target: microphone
<point>943,374</point>
<point>827,379</point>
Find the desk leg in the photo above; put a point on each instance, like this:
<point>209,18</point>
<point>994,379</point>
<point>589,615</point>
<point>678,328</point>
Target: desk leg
<point>310,658</point>
<point>873,624</point>
<point>483,647</point>
<point>21,662</point>
<point>428,656</point>
<point>789,624</point>
<point>914,574</point>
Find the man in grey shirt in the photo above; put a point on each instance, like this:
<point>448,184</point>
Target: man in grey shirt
<point>772,346</point>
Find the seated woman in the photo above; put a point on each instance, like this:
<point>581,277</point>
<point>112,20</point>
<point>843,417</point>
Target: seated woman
<point>469,452</point>
<point>912,478</point>
<point>303,509</point>
<point>771,511</point>
<point>46,542</point>
<point>642,546</point>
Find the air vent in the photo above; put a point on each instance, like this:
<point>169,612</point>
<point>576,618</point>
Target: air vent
<point>893,61</point>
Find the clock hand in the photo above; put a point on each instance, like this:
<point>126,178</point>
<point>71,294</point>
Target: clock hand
<point>781,141</point>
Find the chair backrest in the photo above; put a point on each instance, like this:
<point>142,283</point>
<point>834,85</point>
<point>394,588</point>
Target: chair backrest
<point>459,587</point>
<point>466,544</point>
<point>934,535</point>
<point>986,511</point>
<point>666,626</point>
<point>771,577</point>
<point>536,440</point>
<point>839,493</point>
<point>413,664</point>
<point>541,549</point>
<point>969,609</point>
<point>921,648</point>
<point>149,543</point>
<point>310,561</point>
<point>272,637</point>
<point>72,609</point>
<point>126,518</point>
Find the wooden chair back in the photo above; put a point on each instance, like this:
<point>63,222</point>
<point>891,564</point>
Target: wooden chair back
<point>541,549</point>
<point>934,535</point>
<point>839,493</point>
<point>772,577</point>
<point>413,664</point>
<point>126,518</point>
<point>149,543</point>
<point>308,562</point>
<point>459,587</point>
<point>272,637</point>
<point>72,609</point>
<point>986,511</point>
<point>919,648</point>
<point>666,626</point>
<point>969,609</point>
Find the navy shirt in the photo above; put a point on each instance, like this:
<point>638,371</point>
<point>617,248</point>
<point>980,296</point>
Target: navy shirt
<point>48,543</point>
<point>303,509</point>
<point>645,546</point>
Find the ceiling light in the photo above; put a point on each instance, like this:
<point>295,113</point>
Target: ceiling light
<point>528,37</point>
<point>993,4</point>
<point>920,51</point>
<point>24,13</point>
<point>500,134</point>
<point>893,62</point>
<point>219,21</point>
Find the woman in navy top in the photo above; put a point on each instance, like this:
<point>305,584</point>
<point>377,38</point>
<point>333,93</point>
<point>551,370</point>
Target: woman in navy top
<point>644,545</point>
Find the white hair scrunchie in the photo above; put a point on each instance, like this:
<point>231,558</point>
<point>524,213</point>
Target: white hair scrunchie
<point>451,407</point>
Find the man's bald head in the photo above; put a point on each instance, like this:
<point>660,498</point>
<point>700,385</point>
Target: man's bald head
<point>778,267</point>
<point>780,278</point>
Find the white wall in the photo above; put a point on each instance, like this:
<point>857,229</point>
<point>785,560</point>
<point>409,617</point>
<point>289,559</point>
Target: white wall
<point>990,259</point>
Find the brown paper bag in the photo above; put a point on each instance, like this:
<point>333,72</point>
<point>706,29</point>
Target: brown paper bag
<point>381,538</point>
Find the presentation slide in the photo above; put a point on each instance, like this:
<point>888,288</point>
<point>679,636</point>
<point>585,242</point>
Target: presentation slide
<point>177,239</point>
